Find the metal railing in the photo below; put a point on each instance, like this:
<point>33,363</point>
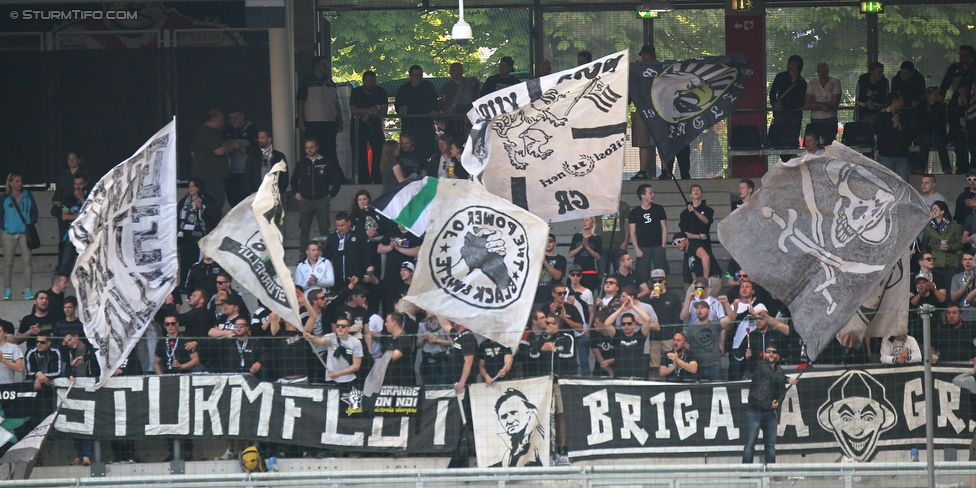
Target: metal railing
<point>819,475</point>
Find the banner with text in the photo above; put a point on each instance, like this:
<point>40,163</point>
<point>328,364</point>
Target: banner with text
<point>415,420</point>
<point>856,412</point>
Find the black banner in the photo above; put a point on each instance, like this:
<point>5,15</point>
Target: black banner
<point>413,420</point>
<point>679,99</point>
<point>21,409</point>
<point>855,412</point>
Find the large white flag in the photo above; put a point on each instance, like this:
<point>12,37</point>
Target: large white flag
<point>126,241</point>
<point>481,261</point>
<point>555,145</point>
<point>252,257</point>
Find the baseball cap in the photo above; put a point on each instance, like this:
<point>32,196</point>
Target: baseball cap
<point>701,282</point>
<point>575,269</point>
<point>921,276</point>
<point>358,290</point>
<point>658,273</point>
<point>234,300</point>
<point>907,65</point>
<point>408,265</point>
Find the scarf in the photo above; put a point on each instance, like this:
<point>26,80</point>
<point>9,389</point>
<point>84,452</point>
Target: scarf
<point>940,226</point>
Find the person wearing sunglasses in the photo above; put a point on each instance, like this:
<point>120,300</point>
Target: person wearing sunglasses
<point>767,388</point>
<point>965,203</point>
<point>44,362</point>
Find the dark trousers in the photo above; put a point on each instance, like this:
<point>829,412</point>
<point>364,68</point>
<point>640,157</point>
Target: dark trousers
<point>238,188</point>
<point>684,165</point>
<point>755,420</point>
<point>793,121</point>
<point>961,148</point>
<point>826,129</point>
<point>926,143</point>
<point>375,140</point>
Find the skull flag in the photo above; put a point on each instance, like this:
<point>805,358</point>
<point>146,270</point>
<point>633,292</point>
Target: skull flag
<point>821,235</point>
<point>677,100</point>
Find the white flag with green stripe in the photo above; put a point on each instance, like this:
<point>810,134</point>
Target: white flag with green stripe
<point>409,205</point>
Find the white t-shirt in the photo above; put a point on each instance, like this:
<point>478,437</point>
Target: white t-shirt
<point>747,325</point>
<point>339,362</point>
<point>823,94</point>
<point>11,353</point>
<point>716,313</point>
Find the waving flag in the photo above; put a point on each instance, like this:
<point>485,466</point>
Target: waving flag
<point>554,145</point>
<point>409,205</point>
<point>677,100</point>
<point>254,259</point>
<point>481,261</point>
<point>822,234</point>
<point>126,241</point>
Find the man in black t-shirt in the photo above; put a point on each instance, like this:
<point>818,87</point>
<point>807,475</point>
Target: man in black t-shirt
<point>494,360</point>
<point>172,357</point>
<point>370,102</point>
<point>679,364</point>
<point>626,276</point>
<point>42,319</point>
<point>699,262</point>
<point>558,306</point>
<point>553,270</point>
<point>400,371</point>
<point>464,348</point>
<point>649,232</point>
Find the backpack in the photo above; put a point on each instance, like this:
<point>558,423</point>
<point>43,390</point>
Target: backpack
<point>251,460</point>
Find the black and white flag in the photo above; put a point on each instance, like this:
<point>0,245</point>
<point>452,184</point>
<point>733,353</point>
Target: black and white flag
<point>822,233</point>
<point>512,419</point>
<point>239,246</point>
<point>126,241</point>
<point>677,100</point>
<point>480,262</point>
<point>554,145</point>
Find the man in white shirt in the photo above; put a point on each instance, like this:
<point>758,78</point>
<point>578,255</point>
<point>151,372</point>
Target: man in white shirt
<point>822,98</point>
<point>314,273</point>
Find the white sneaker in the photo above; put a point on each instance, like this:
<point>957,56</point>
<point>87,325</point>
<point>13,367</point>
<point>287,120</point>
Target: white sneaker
<point>228,455</point>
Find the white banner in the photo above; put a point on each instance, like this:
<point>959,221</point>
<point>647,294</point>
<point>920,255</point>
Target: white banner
<point>238,246</point>
<point>269,212</point>
<point>512,422</point>
<point>481,261</point>
<point>555,145</point>
<point>126,241</point>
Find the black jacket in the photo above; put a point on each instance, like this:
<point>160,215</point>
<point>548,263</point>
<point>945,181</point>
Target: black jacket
<point>768,384</point>
<point>354,257</point>
<point>255,162</point>
<point>317,179</point>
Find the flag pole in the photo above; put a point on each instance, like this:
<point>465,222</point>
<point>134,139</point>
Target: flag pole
<point>679,188</point>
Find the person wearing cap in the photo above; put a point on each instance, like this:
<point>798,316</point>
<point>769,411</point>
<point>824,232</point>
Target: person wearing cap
<point>582,298</point>
<point>871,93</point>
<point>786,97</point>
<point>503,79</point>
<point>930,131</point>
<point>706,337</point>
<point>225,283</point>
<point>765,392</point>
<point>642,138</point>
<point>667,306</point>
<point>698,292</point>
<point>399,245</point>
<point>910,83</point>
<point>394,290</point>
<point>233,306</point>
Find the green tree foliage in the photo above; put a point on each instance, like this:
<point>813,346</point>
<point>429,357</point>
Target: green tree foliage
<point>389,42</point>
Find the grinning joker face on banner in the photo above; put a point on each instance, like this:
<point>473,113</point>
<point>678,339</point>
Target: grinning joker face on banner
<point>857,413</point>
